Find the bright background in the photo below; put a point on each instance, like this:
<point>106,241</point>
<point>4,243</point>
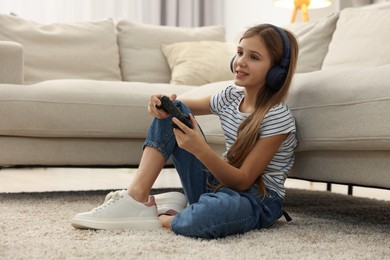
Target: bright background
<point>233,14</point>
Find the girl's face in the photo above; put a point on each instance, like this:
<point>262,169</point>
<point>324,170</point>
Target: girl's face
<point>251,63</point>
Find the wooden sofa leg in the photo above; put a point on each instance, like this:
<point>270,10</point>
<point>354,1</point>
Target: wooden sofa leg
<point>328,186</point>
<point>350,189</point>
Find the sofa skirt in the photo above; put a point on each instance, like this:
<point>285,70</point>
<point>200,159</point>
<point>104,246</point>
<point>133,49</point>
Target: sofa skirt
<point>362,168</point>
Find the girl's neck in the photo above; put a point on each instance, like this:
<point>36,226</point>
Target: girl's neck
<point>248,103</point>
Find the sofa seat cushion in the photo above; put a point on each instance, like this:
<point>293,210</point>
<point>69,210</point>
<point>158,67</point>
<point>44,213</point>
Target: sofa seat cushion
<point>79,108</point>
<point>84,50</point>
<point>343,109</point>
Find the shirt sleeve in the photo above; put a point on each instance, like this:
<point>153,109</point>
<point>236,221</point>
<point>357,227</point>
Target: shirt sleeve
<point>278,120</point>
<point>222,99</point>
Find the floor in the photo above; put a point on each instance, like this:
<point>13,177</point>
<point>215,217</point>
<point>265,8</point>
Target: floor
<point>68,179</point>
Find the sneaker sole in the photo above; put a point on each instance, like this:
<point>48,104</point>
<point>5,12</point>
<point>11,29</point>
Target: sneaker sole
<point>170,200</point>
<point>143,224</point>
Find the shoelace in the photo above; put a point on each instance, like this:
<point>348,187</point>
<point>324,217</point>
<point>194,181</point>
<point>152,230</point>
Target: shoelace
<point>109,199</point>
<point>115,195</point>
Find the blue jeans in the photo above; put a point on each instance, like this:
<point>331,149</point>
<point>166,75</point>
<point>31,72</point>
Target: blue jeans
<point>211,214</point>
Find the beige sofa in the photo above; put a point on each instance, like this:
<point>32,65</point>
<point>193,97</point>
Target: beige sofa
<point>76,93</point>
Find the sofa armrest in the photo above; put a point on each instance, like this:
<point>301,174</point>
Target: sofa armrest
<point>11,62</point>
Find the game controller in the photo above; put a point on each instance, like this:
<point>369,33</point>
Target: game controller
<point>174,111</point>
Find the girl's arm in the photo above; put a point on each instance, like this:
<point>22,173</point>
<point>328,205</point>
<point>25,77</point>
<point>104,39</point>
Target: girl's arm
<point>237,178</point>
<point>198,106</point>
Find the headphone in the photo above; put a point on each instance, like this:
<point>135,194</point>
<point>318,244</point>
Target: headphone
<point>276,76</point>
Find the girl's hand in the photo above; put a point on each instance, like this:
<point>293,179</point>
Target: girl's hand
<point>191,140</point>
<point>155,101</point>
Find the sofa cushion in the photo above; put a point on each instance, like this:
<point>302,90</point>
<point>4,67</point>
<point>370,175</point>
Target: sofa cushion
<point>199,63</point>
<point>211,125</point>
<point>79,108</point>
<point>313,39</point>
<point>11,63</point>
<point>140,48</point>
<point>85,50</point>
<point>360,40</point>
<point>342,109</point>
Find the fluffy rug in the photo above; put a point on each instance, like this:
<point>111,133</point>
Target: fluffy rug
<point>325,226</point>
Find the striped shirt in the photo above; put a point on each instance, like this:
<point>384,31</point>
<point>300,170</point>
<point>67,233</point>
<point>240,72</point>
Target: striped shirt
<point>278,120</point>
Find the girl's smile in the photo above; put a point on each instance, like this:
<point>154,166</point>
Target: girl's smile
<point>240,74</point>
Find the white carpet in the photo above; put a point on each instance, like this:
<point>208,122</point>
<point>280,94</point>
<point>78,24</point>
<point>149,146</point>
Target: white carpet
<point>325,226</point>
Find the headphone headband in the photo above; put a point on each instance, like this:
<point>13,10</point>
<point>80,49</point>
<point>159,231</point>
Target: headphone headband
<point>285,62</point>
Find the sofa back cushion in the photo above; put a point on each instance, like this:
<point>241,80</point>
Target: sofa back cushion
<point>140,46</point>
<point>313,39</point>
<point>360,40</point>
<point>84,50</point>
<point>199,63</point>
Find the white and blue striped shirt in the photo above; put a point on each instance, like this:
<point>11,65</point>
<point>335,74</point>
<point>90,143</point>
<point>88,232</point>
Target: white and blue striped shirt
<point>278,120</point>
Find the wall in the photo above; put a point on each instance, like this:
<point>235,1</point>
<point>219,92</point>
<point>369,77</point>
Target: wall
<point>238,14</point>
<point>244,13</point>
<point>49,11</point>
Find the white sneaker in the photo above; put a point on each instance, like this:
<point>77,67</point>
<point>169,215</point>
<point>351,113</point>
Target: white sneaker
<point>166,202</point>
<point>120,211</point>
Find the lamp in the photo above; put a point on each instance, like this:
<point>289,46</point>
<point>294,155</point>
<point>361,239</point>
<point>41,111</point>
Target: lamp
<point>303,5</point>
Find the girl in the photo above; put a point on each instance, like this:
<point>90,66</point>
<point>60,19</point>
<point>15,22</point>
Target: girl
<point>244,190</point>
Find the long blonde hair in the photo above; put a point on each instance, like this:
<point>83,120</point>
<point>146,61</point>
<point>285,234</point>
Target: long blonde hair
<point>248,131</point>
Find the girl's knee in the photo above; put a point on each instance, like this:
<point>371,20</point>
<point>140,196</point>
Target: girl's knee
<point>213,216</point>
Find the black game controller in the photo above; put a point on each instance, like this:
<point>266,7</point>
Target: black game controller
<point>174,111</point>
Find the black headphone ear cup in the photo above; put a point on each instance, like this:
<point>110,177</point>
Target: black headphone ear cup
<point>275,77</point>
<point>231,64</point>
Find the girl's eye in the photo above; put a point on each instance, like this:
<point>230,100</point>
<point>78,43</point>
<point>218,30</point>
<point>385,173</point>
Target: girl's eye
<point>254,57</point>
<point>240,53</point>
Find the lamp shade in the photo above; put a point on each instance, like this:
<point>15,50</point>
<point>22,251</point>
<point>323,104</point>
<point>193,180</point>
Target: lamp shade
<point>302,5</point>
<point>313,4</point>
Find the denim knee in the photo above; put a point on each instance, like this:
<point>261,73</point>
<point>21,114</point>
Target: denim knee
<point>228,212</point>
<point>216,215</point>
<point>160,134</point>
